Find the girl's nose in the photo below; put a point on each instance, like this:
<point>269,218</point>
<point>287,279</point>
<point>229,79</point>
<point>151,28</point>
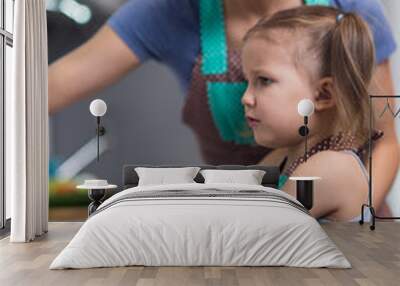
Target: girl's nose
<point>248,99</point>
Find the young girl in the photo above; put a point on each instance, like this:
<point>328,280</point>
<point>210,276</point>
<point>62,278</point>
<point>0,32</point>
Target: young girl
<point>326,56</point>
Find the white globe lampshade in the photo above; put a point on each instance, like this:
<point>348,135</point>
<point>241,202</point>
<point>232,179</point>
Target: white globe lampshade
<point>305,107</point>
<point>98,107</point>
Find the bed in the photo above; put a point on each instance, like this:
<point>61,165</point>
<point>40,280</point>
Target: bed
<point>201,224</point>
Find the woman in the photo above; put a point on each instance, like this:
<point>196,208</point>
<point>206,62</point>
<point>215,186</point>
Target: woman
<point>200,40</point>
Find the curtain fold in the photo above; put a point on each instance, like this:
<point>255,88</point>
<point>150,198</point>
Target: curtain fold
<point>27,144</point>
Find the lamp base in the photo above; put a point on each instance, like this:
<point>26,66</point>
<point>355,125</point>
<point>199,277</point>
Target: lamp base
<point>100,131</point>
<point>303,130</point>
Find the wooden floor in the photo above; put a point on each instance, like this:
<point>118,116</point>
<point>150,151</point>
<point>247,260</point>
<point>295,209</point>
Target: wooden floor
<point>375,257</point>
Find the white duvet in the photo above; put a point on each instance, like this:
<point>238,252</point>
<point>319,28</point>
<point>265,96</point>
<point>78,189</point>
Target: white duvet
<point>200,231</point>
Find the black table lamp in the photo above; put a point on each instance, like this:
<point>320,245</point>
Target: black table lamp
<point>98,108</point>
<point>305,108</point>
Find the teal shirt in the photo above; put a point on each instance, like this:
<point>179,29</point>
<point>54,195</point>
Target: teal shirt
<point>282,181</point>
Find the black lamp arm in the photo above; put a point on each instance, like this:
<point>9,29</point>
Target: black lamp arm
<point>100,131</point>
<point>303,131</point>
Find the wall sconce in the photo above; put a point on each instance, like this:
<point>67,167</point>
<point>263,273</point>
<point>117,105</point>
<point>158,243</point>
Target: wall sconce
<point>98,108</point>
<point>305,108</point>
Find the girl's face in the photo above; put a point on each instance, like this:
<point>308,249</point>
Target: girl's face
<point>275,87</point>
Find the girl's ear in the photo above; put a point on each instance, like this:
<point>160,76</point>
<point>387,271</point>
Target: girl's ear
<point>325,94</point>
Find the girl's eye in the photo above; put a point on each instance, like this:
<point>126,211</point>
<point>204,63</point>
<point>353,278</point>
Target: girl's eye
<point>265,80</point>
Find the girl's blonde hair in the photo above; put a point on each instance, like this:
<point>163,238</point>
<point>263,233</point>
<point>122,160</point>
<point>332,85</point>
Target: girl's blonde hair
<point>342,45</point>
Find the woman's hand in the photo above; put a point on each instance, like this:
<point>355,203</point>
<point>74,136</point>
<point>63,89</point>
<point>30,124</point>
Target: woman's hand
<point>99,62</point>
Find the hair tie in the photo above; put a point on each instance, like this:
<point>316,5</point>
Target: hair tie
<point>339,17</point>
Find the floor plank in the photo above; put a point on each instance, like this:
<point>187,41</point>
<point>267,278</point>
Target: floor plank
<point>375,257</point>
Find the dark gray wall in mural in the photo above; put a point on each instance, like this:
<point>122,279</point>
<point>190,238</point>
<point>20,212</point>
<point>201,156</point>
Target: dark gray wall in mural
<point>143,124</point>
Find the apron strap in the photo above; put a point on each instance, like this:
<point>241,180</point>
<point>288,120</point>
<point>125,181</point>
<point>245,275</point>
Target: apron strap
<point>317,2</point>
<point>212,37</point>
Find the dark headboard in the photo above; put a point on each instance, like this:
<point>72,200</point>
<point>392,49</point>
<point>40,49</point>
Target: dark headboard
<point>130,178</point>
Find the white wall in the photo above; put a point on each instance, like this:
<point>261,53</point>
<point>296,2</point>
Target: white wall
<point>392,11</point>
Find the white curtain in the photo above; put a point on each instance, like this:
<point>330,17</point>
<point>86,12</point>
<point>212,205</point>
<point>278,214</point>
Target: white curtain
<point>27,124</point>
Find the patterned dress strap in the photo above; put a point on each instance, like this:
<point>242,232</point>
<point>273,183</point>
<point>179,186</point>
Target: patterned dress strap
<point>339,142</point>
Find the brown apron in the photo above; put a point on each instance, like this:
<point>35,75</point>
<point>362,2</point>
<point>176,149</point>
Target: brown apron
<point>213,108</point>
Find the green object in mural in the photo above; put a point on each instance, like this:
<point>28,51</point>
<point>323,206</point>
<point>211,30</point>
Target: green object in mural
<point>65,193</point>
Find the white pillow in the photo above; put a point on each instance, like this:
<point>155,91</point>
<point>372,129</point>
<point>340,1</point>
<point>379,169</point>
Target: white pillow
<point>162,176</point>
<point>248,177</point>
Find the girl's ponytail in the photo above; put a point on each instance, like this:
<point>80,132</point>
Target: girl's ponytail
<point>352,59</point>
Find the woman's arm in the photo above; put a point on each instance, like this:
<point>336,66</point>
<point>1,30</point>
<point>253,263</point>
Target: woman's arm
<point>99,62</point>
<point>385,155</point>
